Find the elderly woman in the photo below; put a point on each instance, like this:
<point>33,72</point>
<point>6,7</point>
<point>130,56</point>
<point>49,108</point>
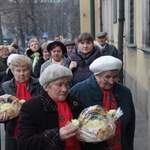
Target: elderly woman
<point>34,52</point>
<point>23,86</point>
<point>43,122</point>
<point>58,51</point>
<point>43,59</point>
<point>4,53</point>
<point>103,89</point>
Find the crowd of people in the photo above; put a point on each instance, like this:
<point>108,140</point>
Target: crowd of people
<point>58,80</point>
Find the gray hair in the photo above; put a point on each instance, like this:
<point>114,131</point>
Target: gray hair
<point>20,61</point>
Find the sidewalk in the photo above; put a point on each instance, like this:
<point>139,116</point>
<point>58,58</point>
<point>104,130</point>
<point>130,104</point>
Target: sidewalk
<point>141,131</point>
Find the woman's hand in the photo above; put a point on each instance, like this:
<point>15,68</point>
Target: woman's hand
<point>72,65</point>
<point>4,117</point>
<point>67,131</point>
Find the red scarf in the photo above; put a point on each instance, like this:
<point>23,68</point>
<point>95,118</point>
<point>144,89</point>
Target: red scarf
<point>65,115</point>
<point>109,102</point>
<point>22,93</point>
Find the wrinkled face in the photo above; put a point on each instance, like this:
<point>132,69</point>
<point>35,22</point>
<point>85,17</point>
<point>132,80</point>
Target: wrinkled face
<point>86,46</point>
<point>107,79</point>
<point>4,53</point>
<point>102,40</point>
<point>69,48</point>
<point>34,46</point>
<point>58,89</point>
<point>46,54</point>
<point>57,54</point>
<point>21,74</point>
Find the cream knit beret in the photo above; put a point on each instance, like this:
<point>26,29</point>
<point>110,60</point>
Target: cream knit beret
<point>53,72</point>
<point>105,63</point>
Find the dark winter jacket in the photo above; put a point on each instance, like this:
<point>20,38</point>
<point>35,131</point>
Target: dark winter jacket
<point>38,67</point>
<point>90,94</point>
<point>82,71</point>
<point>110,50</point>
<point>38,123</point>
<point>3,67</point>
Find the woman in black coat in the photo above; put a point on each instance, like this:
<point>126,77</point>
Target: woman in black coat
<point>44,122</point>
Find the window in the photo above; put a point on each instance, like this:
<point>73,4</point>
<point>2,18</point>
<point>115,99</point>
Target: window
<point>130,23</point>
<point>146,24</point>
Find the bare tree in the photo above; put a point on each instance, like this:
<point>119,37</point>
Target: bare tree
<point>33,17</point>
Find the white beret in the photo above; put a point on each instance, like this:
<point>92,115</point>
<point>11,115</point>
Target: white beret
<point>105,63</point>
<point>10,57</point>
<point>54,72</point>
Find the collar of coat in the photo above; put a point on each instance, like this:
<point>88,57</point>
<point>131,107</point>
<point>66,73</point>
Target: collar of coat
<point>50,105</point>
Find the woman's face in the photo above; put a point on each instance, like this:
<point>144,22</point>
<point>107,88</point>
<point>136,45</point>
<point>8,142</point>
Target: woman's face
<point>4,53</point>
<point>58,89</point>
<point>107,79</point>
<point>46,54</point>
<point>85,47</point>
<point>21,74</point>
<point>57,54</point>
<point>34,46</point>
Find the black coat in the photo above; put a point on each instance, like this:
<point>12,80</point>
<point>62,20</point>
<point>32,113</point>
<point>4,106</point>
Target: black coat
<point>3,67</point>
<point>38,67</point>
<point>110,50</point>
<point>38,127</point>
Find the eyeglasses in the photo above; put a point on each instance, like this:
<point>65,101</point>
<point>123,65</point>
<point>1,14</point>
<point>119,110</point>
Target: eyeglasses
<point>109,78</point>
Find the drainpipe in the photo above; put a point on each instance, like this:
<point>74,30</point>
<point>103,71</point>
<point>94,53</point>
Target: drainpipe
<point>92,16</point>
<point>121,20</point>
<point>101,20</point>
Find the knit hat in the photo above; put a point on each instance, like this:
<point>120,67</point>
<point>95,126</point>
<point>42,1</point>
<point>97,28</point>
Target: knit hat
<point>105,63</point>
<point>52,73</point>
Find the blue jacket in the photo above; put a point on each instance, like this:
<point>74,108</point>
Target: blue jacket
<point>90,94</point>
<point>82,71</point>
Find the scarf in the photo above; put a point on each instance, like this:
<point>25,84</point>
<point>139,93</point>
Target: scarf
<point>35,56</point>
<point>65,115</point>
<point>22,93</point>
<point>109,102</point>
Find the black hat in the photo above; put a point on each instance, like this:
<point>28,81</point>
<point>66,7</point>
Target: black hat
<point>64,50</point>
<point>101,34</point>
<point>69,43</point>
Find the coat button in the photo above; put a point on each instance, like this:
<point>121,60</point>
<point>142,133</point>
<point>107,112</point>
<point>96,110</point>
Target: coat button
<point>116,94</point>
<point>62,118</point>
<point>75,103</point>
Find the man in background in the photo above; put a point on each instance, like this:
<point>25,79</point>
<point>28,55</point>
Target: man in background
<point>106,49</point>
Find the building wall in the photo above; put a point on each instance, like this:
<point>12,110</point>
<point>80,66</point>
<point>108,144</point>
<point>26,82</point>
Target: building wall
<point>85,15</point>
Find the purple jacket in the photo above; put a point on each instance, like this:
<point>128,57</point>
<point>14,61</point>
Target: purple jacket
<point>82,71</point>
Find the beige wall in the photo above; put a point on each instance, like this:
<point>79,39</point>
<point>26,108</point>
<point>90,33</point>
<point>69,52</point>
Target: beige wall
<point>85,24</point>
<point>85,15</point>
